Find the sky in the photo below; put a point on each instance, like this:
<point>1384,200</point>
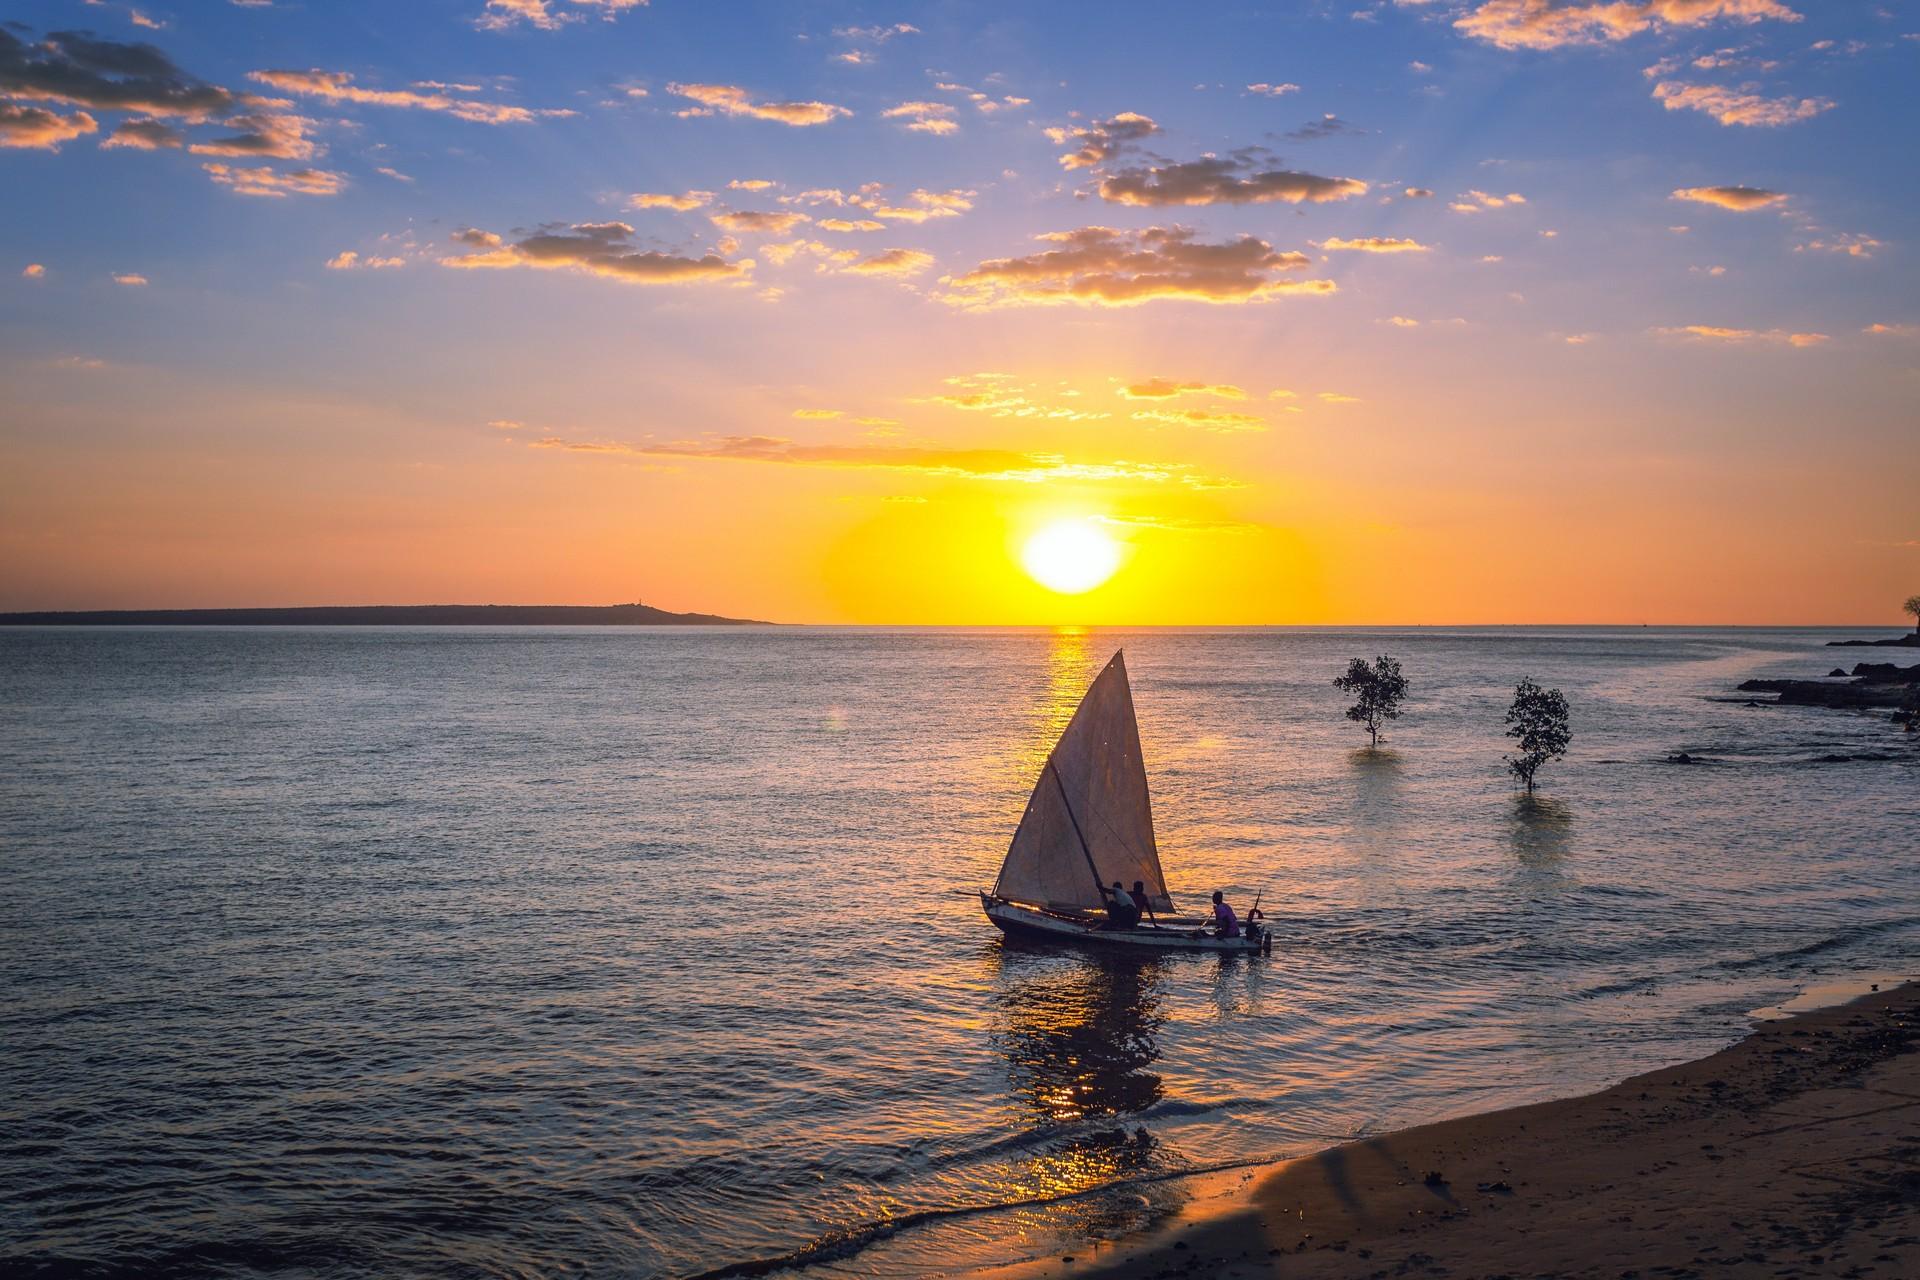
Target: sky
<point>1438,312</point>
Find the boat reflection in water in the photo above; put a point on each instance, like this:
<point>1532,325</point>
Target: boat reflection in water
<point>1078,1032</point>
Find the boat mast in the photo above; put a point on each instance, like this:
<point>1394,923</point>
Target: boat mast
<point>1099,885</point>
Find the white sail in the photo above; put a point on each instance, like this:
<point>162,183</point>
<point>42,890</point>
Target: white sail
<point>1089,821</point>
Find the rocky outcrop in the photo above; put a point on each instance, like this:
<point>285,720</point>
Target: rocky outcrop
<point>1873,684</point>
<point>1911,640</point>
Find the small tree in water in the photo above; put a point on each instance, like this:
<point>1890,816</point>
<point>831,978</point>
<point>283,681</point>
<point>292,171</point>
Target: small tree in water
<point>1538,721</point>
<point>1379,689</point>
<point>1912,606</point>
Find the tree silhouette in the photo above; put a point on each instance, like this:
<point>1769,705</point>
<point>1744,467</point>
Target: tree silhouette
<point>1537,720</point>
<point>1912,606</point>
<point>1379,688</point>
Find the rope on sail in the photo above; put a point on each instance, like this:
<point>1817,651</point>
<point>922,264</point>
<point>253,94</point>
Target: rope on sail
<point>1099,885</point>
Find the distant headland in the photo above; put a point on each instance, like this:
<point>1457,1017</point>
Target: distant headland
<point>385,615</point>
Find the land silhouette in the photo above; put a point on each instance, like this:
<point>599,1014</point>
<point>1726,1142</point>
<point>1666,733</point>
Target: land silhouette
<point>383,615</point>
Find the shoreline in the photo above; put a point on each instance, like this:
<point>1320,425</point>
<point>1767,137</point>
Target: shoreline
<point>1793,1152</point>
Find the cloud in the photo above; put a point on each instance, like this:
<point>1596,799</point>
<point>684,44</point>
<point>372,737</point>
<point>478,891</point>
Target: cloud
<point>133,279</point>
<point>1418,193</point>
<point>350,260</point>
<point>262,181</point>
<point>1403,322</point>
<point>1738,106</point>
<point>1214,180</point>
<point>1372,244</point>
<point>1100,141</point>
<point>858,224</point>
<point>143,134</point>
<point>600,249</point>
<point>1554,24</point>
<point>1166,388</point>
<point>36,128</point>
<point>1326,126</point>
<point>501,15</point>
<point>1273,90</point>
<point>1205,419</point>
<point>1740,199</point>
<point>278,137</point>
<point>1000,395</point>
<point>924,117</point>
<point>1852,245</point>
<point>1716,333</point>
<point>35,271</point>
<point>816,414</point>
<point>684,201</point>
<point>74,68</point>
<point>475,238</point>
<point>732,100</point>
<point>750,184</point>
<point>1877,330</point>
<point>1101,266</point>
<point>338,86</point>
<point>893,262</point>
<point>1335,397</point>
<point>759,222</point>
<point>1475,201</point>
<point>969,464</point>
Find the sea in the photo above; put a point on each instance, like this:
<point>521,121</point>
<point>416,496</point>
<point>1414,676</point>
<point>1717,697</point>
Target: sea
<point>658,952</point>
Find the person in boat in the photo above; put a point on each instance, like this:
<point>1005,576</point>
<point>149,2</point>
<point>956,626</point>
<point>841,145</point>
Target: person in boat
<point>1121,911</point>
<point>1140,899</point>
<point>1227,925</point>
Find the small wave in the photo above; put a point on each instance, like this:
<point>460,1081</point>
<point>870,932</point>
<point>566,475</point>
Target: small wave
<point>845,1242</point>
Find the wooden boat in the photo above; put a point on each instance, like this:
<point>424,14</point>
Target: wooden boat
<point>1088,823</point>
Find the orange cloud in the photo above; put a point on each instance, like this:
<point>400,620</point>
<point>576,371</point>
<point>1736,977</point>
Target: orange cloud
<point>893,262</point>
<point>35,271</point>
<point>1739,199</point>
<point>924,117</point>
<point>600,249</point>
<point>1166,388</point>
<point>272,136</point>
<point>262,181</point>
<point>1206,419</point>
<point>759,222</point>
<point>1372,244</point>
<point>350,260</point>
<point>858,224</point>
<point>143,134</point>
<point>657,200</point>
<point>732,100</point>
<point>38,129</point>
<point>1551,24</point>
<point>79,70</point>
<point>1738,107</point>
<point>1213,180</point>
<point>1101,141</point>
<point>1716,333</point>
<point>130,278</point>
<point>502,14</point>
<point>968,464</point>
<point>1101,266</point>
<point>338,86</point>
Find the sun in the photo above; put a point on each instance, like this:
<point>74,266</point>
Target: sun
<point>1070,556</point>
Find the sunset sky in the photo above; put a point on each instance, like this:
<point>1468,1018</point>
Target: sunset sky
<point>1414,312</point>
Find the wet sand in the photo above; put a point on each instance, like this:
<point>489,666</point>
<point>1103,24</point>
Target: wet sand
<point>1793,1153</point>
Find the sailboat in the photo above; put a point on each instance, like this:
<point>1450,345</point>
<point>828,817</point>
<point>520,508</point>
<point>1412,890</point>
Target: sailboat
<point>1088,823</point>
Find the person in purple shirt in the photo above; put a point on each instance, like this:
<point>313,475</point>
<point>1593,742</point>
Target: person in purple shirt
<point>1229,926</point>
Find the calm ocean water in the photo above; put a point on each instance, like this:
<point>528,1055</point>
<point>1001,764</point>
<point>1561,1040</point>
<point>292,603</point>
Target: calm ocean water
<point>645,952</point>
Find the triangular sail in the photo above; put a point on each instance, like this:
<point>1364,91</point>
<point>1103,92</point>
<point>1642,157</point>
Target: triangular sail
<point>1089,821</point>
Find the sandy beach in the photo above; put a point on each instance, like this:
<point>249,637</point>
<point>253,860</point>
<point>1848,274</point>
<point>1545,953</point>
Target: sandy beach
<point>1793,1153</point>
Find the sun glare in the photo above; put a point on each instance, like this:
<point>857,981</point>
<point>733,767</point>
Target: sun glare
<point>1070,556</point>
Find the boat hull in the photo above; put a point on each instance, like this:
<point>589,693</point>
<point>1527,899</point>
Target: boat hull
<point>1019,920</point>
